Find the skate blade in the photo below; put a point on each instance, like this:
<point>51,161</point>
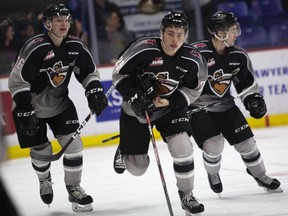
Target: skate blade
<point>219,195</point>
<point>82,208</point>
<point>187,213</point>
<point>277,190</point>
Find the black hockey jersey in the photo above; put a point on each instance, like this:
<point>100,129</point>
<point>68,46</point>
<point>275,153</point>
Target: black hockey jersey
<point>45,70</point>
<point>181,76</point>
<point>223,70</point>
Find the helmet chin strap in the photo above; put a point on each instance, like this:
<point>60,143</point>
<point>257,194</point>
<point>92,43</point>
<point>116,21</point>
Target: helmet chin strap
<point>223,39</point>
<point>49,29</point>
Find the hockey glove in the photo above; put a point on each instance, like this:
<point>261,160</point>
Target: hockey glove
<point>139,102</point>
<point>147,86</point>
<point>255,104</point>
<point>97,100</point>
<point>26,121</point>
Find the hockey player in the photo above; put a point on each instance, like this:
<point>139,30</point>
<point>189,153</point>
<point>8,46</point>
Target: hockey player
<point>228,64</point>
<point>38,84</point>
<point>162,76</point>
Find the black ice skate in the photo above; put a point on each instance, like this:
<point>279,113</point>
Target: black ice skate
<point>267,183</point>
<point>190,204</point>
<point>118,164</point>
<point>81,202</point>
<point>46,190</point>
<point>215,183</point>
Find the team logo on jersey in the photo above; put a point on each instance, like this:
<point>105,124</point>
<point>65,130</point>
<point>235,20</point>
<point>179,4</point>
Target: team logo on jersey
<point>148,41</point>
<point>157,61</point>
<point>195,53</point>
<point>165,86</point>
<point>49,55</point>
<point>199,45</point>
<point>210,62</point>
<point>219,83</point>
<point>57,74</point>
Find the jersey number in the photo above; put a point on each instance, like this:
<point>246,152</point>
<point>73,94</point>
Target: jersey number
<point>19,64</point>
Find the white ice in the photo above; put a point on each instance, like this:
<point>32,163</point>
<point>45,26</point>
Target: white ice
<point>119,195</point>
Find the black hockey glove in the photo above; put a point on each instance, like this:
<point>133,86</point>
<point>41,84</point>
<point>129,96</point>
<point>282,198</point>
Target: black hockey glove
<point>255,104</point>
<point>97,100</point>
<point>147,86</point>
<point>139,102</point>
<point>25,120</point>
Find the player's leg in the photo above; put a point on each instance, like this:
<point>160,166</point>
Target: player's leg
<point>175,127</point>
<point>64,126</point>
<point>131,154</point>
<point>206,134</point>
<point>40,145</point>
<point>239,134</point>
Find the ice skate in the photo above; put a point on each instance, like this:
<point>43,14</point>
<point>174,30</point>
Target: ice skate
<point>81,202</point>
<point>267,183</point>
<point>46,190</point>
<point>190,204</point>
<point>215,183</point>
<point>118,164</point>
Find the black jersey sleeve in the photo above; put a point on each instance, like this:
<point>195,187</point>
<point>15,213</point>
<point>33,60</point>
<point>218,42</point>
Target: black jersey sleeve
<point>245,79</point>
<point>134,59</point>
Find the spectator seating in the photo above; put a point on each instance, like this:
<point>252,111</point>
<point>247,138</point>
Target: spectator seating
<point>269,12</point>
<point>240,9</point>
<point>278,34</point>
<point>252,37</point>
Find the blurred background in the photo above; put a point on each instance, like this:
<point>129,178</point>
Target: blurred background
<point>108,26</point>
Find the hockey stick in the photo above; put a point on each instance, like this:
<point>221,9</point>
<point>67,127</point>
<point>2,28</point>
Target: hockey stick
<point>190,112</point>
<point>56,156</point>
<point>111,138</point>
<point>158,163</point>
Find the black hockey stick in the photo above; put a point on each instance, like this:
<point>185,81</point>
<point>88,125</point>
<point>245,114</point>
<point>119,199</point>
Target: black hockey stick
<point>158,163</point>
<point>56,156</point>
<point>190,112</point>
<point>111,138</point>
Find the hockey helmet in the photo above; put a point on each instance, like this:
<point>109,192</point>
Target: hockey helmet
<point>56,10</point>
<point>177,19</point>
<point>221,21</point>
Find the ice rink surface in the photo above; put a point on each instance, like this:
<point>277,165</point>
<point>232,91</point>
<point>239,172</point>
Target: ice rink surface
<point>127,195</point>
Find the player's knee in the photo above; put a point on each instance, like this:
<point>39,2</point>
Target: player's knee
<point>181,148</point>
<point>247,148</point>
<point>76,145</point>
<point>214,145</point>
<point>136,164</point>
<point>43,149</point>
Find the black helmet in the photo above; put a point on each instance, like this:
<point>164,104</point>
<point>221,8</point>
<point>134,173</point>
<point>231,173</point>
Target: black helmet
<point>174,19</point>
<point>56,10</point>
<point>221,21</point>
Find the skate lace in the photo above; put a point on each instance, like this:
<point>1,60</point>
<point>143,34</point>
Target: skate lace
<point>214,178</point>
<point>265,179</point>
<point>190,200</point>
<point>78,192</point>
<point>45,187</point>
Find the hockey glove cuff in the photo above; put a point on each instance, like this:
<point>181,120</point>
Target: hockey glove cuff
<point>255,104</point>
<point>139,102</point>
<point>97,100</point>
<point>146,85</point>
<point>26,121</point>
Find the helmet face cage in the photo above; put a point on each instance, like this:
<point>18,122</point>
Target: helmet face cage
<point>222,21</point>
<point>56,10</point>
<point>177,19</point>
